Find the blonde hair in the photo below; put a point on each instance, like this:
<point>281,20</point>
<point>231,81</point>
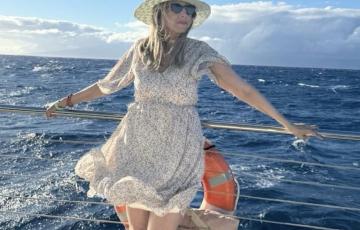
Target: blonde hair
<point>156,52</point>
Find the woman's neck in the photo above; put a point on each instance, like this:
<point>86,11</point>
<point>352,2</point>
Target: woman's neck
<point>173,36</point>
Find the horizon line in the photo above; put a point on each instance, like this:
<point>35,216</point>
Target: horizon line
<point>109,59</point>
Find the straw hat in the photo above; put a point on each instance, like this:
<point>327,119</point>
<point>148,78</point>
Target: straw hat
<point>145,10</point>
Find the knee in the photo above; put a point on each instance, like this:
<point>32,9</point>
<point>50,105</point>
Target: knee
<point>170,221</point>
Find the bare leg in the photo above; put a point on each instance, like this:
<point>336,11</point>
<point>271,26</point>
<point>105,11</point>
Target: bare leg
<point>138,218</point>
<point>170,221</point>
<point>121,213</point>
<point>205,205</point>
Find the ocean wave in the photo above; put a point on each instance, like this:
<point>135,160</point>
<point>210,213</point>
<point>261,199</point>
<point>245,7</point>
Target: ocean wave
<point>306,85</point>
<point>337,87</point>
<point>299,145</point>
<point>47,68</point>
<point>40,68</point>
<point>22,92</point>
<point>263,176</point>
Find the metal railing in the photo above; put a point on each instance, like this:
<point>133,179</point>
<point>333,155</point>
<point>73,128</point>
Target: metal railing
<point>206,124</point>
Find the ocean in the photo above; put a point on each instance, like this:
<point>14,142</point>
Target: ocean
<point>328,98</point>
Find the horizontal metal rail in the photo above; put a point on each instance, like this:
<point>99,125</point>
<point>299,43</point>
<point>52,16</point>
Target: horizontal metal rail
<point>238,175</point>
<point>206,124</point>
<point>62,217</point>
<point>309,183</point>
<point>10,175</point>
<point>224,154</point>
<point>301,163</point>
<point>292,202</point>
<point>286,223</point>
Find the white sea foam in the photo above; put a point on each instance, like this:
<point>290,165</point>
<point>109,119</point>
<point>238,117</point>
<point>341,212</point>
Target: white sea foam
<point>24,91</point>
<point>44,188</point>
<point>39,68</point>
<point>30,136</point>
<point>340,87</point>
<point>335,87</point>
<point>299,144</point>
<point>262,175</point>
<point>306,85</point>
<point>51,66</point>
<point>261,80</point>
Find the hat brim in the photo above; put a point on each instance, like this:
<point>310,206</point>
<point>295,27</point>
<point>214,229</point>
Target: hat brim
<point>145,10</point>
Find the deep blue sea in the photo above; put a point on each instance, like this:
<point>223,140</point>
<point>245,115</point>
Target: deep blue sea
<point>327,98</point>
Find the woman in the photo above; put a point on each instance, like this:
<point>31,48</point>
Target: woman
<point>153,162</point>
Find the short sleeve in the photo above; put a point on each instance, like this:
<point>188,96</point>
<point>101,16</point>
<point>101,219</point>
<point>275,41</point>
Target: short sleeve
<point>207,57</point>
<point>120,76</point>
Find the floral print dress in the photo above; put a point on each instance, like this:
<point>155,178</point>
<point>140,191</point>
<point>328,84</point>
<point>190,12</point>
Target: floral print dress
<point>154,160</point>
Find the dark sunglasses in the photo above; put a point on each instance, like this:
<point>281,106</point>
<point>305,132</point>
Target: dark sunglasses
<point>177,8</point>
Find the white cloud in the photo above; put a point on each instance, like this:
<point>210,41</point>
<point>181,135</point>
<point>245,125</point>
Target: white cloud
<point>262,33</point>
<point>35,36</point>
<point>9,46</point>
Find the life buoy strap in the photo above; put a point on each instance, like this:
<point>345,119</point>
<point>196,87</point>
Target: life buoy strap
<point>220,178</point>
<point>209,147</point>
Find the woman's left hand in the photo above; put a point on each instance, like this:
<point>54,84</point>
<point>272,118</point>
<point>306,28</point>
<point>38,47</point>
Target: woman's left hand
<point>303,131</point>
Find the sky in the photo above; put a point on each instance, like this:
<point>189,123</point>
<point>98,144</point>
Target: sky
<point>298,33</point>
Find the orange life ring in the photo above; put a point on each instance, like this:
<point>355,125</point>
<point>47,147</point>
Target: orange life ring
<point>220,186</point>
<point>221,189</point>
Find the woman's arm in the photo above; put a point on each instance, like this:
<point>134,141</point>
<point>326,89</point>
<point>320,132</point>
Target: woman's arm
<point>231,82</point>
<point>119,77</point>
<point>87,94</point>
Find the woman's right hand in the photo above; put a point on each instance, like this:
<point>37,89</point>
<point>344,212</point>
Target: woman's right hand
<point>52,108</point>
